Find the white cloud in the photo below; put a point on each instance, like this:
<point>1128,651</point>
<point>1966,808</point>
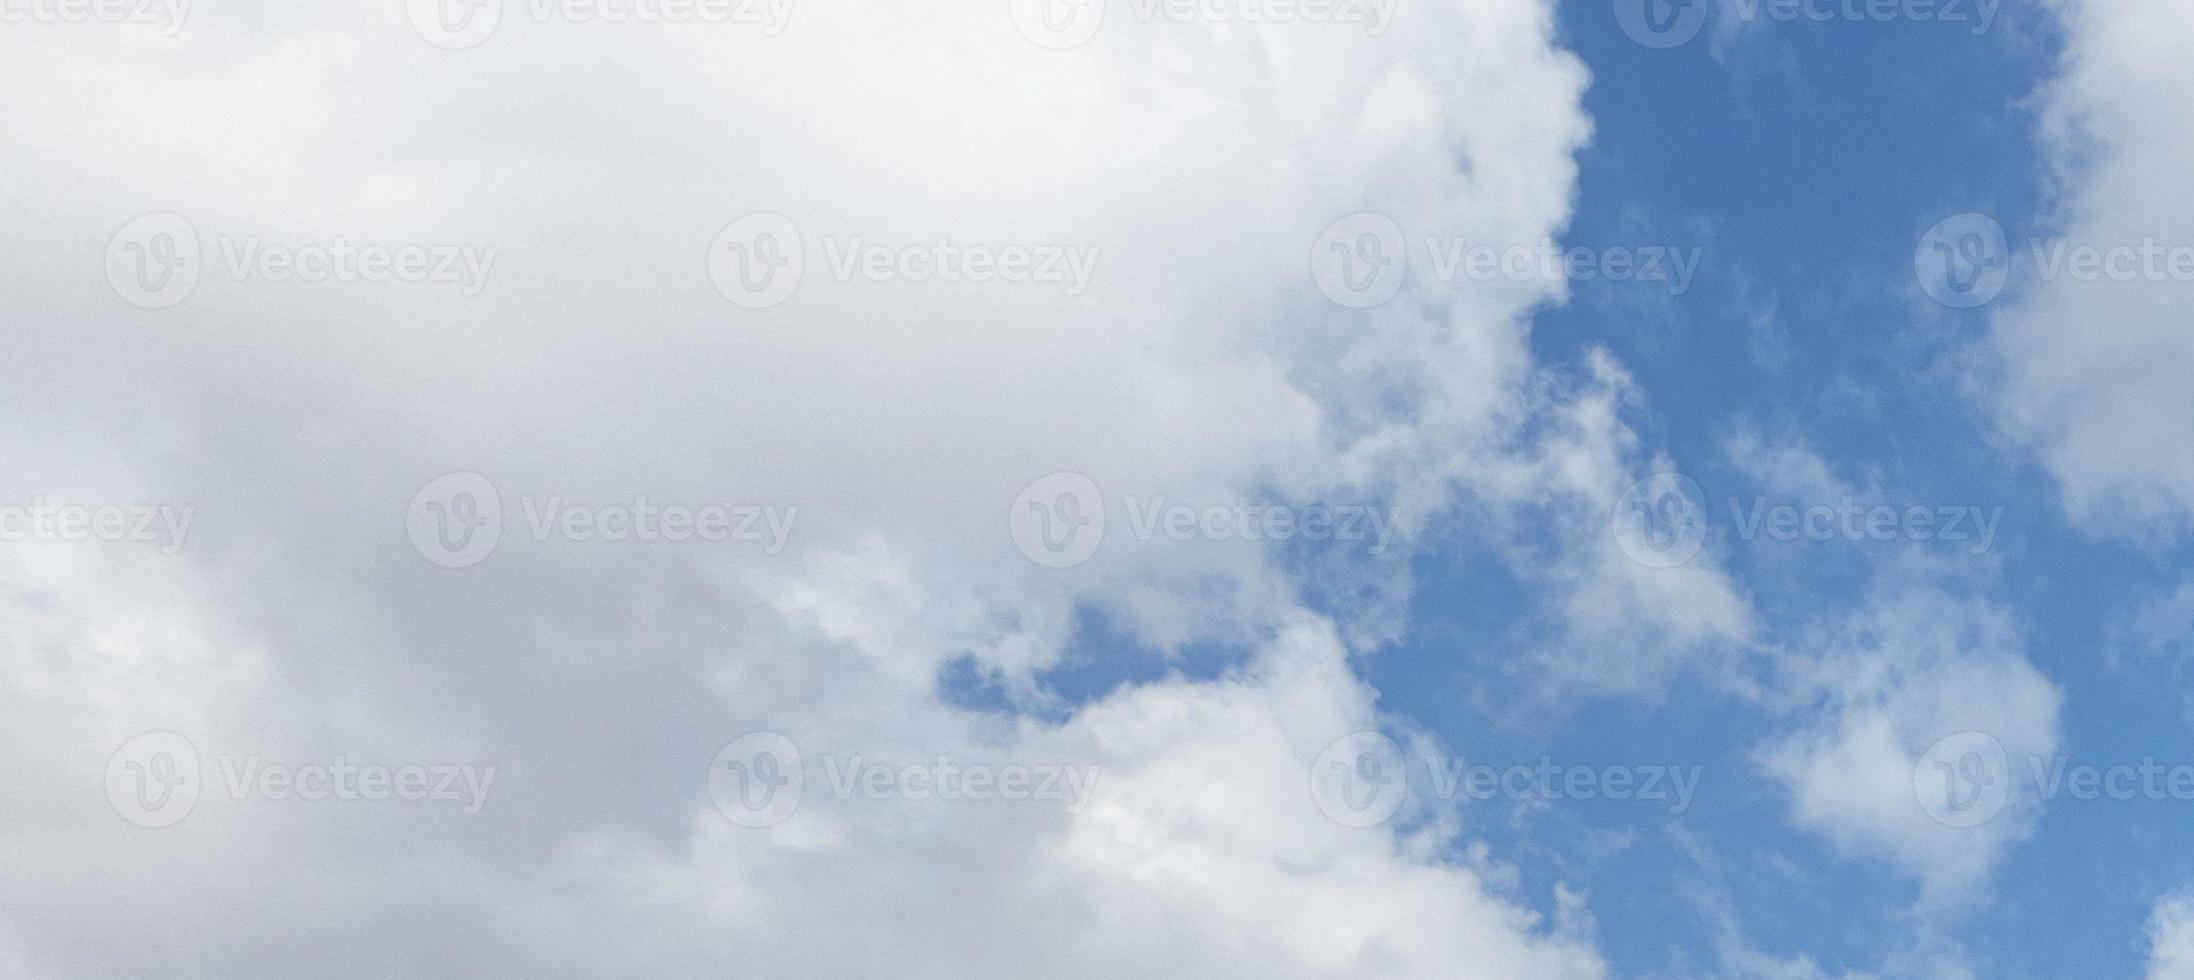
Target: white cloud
<point>1625,623</point>
<point>601,364</point>
<point>2171,939</point>
<point>1874,693</point>
<point>2092,373</point>
<point>1907,681</point>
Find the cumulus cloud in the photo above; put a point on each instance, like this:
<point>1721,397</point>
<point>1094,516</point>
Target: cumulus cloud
<point>2089,369</point>
<point>891,422</point>
<point>1912,685</point>
<point>1921,672</point>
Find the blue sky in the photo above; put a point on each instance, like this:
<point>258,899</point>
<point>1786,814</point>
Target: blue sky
<point>1097,488</point>
<point>1805,160</point>
<point>1815,156</point>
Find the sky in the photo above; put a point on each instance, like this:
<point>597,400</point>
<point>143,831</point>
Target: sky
<point>1092,488</point>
